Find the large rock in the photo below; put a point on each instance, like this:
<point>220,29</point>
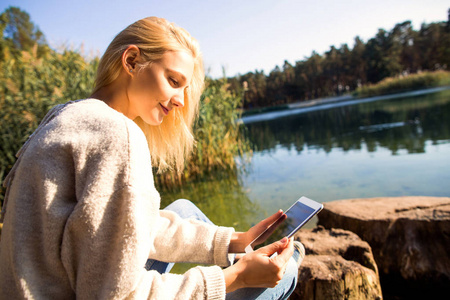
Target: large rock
<point>409,236</point>
<point>337,265</point>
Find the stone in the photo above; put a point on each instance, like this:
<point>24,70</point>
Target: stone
<point>409,237</point>
<point>337,265</point>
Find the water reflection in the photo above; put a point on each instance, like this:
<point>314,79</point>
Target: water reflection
<point>221,197</point>
<point>395,124</point>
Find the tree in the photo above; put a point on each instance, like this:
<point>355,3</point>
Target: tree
<point>333,70</point>
<point>289,88</point>
<point>402,38</point>
<point>428,44</point>
<point>375,56</point>
<point>314,73</point>
<point>358,64</point>
<point>19,32</point>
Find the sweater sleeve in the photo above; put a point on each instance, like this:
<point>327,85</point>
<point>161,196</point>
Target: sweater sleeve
<point>116,224</point>
<point>104,253</point>
<point>179,240</point>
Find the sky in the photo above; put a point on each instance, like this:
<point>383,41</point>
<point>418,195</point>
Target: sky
<point>235,37</point>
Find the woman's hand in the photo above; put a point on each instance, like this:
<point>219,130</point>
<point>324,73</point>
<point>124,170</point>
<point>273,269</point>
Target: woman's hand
<point>240,240</point>
<point>258,268</point>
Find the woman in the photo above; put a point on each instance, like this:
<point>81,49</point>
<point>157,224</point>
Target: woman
<point>81,213</point>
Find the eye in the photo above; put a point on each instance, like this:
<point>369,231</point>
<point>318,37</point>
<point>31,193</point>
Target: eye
<point>174,82</point>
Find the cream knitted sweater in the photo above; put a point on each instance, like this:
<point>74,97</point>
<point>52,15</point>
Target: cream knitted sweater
<point>83,217</point>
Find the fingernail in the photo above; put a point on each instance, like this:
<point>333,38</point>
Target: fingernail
<point>284,240</point>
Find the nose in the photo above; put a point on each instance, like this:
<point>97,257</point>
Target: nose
<point>178,99</point>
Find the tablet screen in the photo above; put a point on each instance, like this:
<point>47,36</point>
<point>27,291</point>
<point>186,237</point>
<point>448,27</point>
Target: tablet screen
<point>297,215</point>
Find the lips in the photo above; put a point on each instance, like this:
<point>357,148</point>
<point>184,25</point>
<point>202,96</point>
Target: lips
<point>164,109</point>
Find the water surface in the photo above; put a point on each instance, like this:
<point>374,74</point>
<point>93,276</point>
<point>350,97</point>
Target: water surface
<point>377,148</point>
<point>390,147</point>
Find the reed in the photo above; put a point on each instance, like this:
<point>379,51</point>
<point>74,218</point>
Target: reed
<point>405,83</point>
<point>30,84</point>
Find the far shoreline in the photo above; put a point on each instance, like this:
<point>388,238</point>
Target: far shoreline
<point>274,112</point>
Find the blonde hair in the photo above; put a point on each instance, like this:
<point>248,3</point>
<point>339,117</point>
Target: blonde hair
<point>172,142</point>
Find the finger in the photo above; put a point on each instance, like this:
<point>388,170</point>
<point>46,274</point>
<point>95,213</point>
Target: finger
<point>286,252</point>
<point>270,220</point>
<point>283,270</point>
<point>274,247</point>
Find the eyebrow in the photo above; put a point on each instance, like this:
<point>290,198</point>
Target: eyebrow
<point>178,73</point>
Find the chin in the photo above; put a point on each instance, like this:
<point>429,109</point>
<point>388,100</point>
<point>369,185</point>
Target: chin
<point>154,121</point>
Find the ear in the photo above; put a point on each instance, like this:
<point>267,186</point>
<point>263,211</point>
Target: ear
<point>130,58</point>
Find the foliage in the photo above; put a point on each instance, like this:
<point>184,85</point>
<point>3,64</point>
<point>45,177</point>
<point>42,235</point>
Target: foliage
<point>218,127</point>
<point>400,51</point>
<point>19,33</point>
<point>29,87</point>
<point>405,83</point>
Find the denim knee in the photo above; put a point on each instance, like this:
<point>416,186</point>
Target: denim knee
<point>181,203</point>
<point>187,209</point>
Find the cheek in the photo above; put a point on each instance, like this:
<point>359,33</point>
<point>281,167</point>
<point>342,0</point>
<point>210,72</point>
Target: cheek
<point>151,89</point>
<point>139,93</point>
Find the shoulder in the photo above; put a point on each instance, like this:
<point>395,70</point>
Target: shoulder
<point>90,114</point>
<point>99,137</point>
<point>91,118</point>
<point>91,127</point>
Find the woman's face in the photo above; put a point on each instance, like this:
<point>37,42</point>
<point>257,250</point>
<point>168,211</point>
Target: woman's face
<point>157,89</point>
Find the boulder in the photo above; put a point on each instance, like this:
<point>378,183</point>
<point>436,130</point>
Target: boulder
<point>337,265</point>
<point>409,237</point>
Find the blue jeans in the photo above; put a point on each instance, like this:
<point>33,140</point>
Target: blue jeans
<point>186,209</point>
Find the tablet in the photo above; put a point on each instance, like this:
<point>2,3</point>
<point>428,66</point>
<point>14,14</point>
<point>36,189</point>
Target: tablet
<point>288,224</point>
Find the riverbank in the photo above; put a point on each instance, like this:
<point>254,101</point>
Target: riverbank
<point>324,103</point>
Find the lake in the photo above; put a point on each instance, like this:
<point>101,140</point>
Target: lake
<point>375,147</point>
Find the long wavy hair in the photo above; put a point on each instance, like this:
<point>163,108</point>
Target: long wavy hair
<point>172,141</point>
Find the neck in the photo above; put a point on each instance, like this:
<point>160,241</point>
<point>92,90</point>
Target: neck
<point>115,97</point>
